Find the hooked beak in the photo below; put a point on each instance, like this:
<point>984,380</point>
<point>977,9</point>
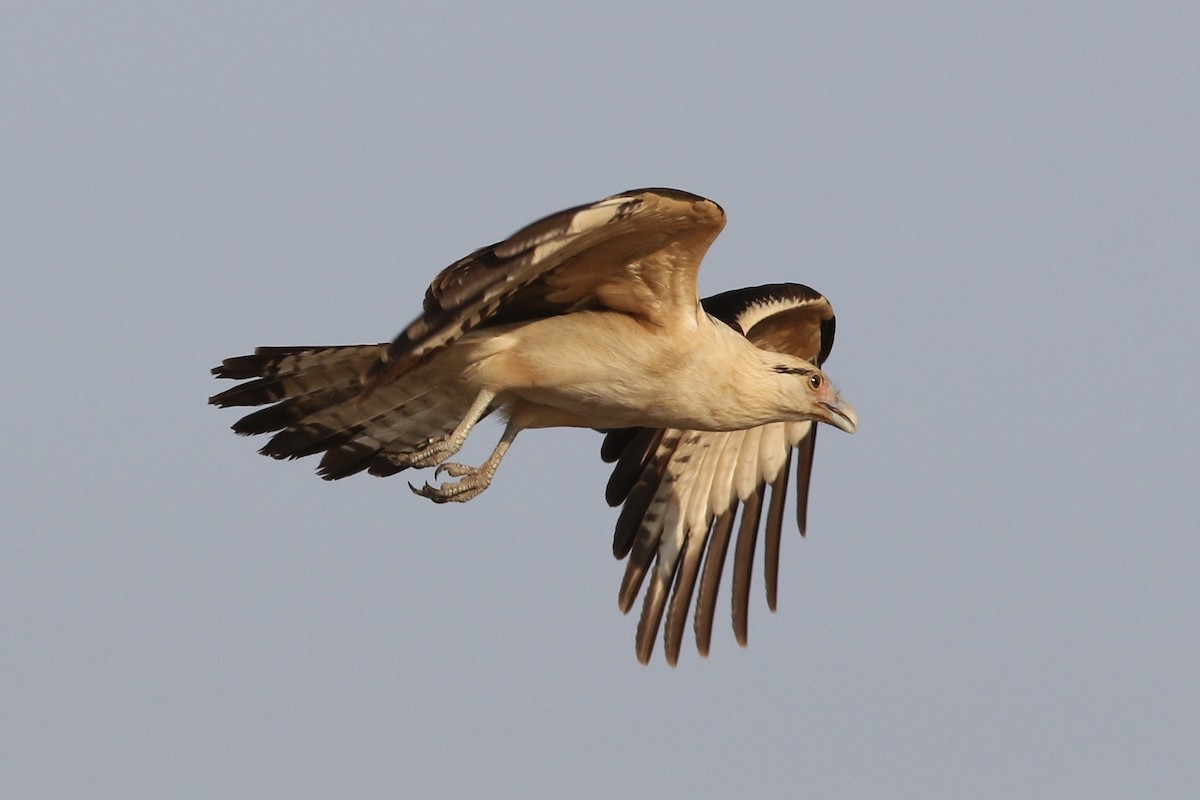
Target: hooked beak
<point>839,414</point>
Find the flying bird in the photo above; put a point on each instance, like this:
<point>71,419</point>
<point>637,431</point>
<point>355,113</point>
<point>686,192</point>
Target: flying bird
<point>587,318</point>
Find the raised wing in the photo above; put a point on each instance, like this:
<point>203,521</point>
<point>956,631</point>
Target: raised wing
<point>636,252</point>
<point>681,490</point>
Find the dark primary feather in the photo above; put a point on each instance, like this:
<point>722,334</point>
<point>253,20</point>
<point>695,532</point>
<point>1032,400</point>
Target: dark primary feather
<point>788,318</point>
<point>710,580</point>
<point>641,549</point>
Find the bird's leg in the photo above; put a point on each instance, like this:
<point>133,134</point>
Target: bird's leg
<point>435,451</point>
<point>472,480</point>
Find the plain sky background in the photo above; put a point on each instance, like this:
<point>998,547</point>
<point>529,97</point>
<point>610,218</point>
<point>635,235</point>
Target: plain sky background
<point>999,595</point>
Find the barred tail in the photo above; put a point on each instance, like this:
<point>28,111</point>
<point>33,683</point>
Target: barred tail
<point>319,406</point>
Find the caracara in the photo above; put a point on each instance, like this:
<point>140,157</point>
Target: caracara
<point>588,318</point>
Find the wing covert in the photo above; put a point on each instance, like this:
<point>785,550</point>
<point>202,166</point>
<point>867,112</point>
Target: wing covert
<point>636,252</point>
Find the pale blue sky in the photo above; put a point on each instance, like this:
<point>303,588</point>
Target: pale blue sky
<point>1000,592</point>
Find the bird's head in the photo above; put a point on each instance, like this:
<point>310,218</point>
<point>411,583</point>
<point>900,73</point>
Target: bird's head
<point>809,392</point>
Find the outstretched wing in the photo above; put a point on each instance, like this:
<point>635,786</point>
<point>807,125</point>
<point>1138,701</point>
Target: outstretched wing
<point>636,252</point>
<point>681,490</point>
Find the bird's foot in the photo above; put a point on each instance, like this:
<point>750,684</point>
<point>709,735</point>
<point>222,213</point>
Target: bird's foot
<point>471,482</point>
<point>430,454</point>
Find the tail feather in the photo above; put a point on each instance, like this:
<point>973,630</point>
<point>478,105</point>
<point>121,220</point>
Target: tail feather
<point>333,424</point>
<point>319,406</point>
<point>294,409</point>
<point>284,372</point>
<point>437,420</point>
<point>430,414</point>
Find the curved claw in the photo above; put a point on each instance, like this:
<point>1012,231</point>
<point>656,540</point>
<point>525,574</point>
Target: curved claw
<point>471,480</point>
<point>454,470</point>
<point>459,491</point>
<point>440,494</point>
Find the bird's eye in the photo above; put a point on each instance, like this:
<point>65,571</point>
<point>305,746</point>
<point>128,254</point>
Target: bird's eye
<point>815,381</point>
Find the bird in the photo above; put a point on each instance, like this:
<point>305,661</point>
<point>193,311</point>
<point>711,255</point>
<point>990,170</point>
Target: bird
<point>589,318</point>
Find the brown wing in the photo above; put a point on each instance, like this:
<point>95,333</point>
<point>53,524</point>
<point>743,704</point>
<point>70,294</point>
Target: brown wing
<point>636,252</point>
<point>681,490</point>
